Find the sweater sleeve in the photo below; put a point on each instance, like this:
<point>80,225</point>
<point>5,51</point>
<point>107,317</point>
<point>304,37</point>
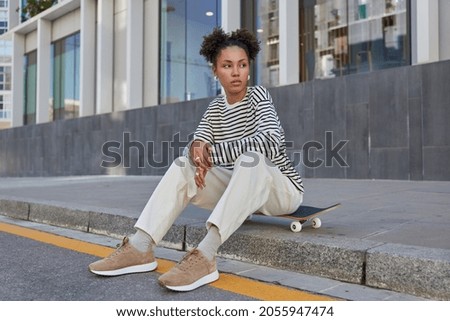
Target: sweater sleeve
<point>267,138</point>
<point>204,132</point>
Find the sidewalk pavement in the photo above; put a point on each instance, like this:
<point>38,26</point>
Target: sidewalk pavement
<point>387,234</point>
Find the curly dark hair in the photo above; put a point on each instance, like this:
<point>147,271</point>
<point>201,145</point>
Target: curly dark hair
<point>219,39</point>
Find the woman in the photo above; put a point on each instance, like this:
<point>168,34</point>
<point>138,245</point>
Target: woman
<point>236,165</point>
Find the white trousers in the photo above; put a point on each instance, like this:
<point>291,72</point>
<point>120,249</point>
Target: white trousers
<point>254,185</point>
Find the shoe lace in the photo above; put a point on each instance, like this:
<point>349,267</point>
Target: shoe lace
<point>119,248</point>
<point>189,260</point>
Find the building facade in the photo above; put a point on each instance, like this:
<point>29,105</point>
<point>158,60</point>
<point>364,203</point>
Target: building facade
<point>86,57</point>
<point>5,69</point>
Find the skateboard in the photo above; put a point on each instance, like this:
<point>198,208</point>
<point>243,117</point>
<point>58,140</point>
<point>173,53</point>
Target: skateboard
<point>305,214</point>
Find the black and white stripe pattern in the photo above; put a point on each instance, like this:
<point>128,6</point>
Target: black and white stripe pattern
<point>250,125</point>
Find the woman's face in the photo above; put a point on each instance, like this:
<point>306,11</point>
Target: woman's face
<point>232,68</point>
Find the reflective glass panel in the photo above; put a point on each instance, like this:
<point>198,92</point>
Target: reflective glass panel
<point>339,37</point>
<point>30,68</point>
<point>66,78</point>
<point>267,30</point>
<point>184,73</point>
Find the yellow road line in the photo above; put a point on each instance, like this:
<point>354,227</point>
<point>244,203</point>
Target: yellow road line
<point>60,241</point>
<point>228,282</point>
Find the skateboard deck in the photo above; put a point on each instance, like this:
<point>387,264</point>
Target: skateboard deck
<point>305,214</point>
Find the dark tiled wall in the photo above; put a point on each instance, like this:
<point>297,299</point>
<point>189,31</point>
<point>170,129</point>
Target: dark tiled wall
<point>394,124</point>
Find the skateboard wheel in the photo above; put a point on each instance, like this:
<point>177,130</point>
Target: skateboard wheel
<point>316,222</point>
<point>296,227</point>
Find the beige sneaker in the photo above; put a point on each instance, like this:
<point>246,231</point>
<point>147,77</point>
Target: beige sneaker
<point>193,271</point>
<point>126,259</point>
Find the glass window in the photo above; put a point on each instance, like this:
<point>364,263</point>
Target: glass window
<point>5,78</point>
<point>24,16</point>
<point>3,22</point>
<point>262,17</point>
<point>66,78</point>
<point>267,30</point>
<point>185,74</point>
<point>29,114</point>
<point>339,37</point>
<point>5,51</point>
<point>377,34</point>
<point>5,106</point>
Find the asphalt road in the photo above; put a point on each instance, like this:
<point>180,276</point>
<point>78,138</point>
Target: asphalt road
<point>31,270</point>
<point>49,265</point>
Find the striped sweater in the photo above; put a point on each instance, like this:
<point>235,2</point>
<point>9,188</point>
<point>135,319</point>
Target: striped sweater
<point>249,125</point>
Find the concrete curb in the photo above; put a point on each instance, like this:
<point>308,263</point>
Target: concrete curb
<point>413,270</point>
<point>332,258</point>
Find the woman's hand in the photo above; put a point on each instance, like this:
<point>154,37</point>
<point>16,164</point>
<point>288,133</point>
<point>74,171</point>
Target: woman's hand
<point>200,175</point>
<point>201,156</point>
